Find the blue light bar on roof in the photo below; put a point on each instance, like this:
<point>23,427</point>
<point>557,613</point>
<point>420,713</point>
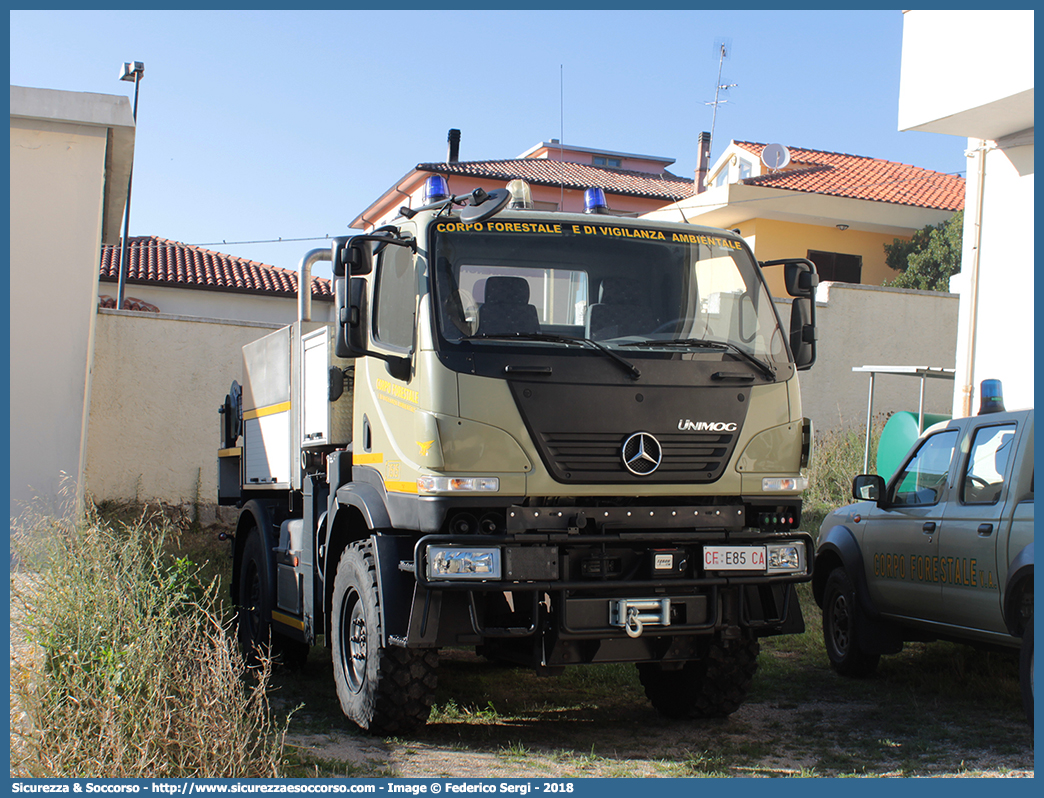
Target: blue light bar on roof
<point>594,201</point>
<point>435,189</point>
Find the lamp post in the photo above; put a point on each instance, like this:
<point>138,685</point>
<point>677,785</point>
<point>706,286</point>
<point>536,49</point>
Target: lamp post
<point>133,70</point>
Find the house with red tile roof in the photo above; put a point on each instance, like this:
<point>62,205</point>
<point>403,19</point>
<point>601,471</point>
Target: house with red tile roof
<point>558,176</point>
<point>836,209</point>
<point>171,277</point>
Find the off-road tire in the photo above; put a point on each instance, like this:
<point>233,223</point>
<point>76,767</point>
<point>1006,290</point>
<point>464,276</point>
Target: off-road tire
<point>712,687</point>
<point>1026,670</point>
<point>254,616</point>
<point>383,689</point>
<point>840,628</point>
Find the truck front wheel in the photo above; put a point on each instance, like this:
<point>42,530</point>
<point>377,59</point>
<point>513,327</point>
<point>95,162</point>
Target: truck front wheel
<point>712,687</point>
<point>383,689</point>
<point>841,628</point>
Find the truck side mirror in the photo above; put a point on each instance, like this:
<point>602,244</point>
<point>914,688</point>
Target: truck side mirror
<point>868,488</point>
<point>350,256</point>
<point>350,299</point>
<point>803,333</point>
<point>337,255</point>
<point>800,278</point>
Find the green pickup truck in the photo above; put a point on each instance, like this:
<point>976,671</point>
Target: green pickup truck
<point>942,550</point>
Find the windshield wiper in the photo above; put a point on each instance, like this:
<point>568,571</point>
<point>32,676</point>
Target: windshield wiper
<point>626,364</point>
<point>699,343</point>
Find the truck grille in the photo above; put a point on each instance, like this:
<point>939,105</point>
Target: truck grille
<point>596,457</point>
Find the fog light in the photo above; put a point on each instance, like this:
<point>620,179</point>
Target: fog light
<point>450,562</point>
<point>784,484</point>
<point>785,558</point>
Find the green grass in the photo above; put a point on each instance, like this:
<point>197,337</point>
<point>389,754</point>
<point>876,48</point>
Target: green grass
<point>134,675</point>
<point>838,456</point>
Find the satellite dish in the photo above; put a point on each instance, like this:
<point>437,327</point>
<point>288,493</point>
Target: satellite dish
<point>775,156</point>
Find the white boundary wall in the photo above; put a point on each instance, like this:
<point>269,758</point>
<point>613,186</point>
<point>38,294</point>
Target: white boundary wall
<point>159,380</point>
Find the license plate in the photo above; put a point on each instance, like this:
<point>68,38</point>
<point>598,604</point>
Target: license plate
<point>734,558</point>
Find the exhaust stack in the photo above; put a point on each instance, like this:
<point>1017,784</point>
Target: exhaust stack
<point>453,156</point>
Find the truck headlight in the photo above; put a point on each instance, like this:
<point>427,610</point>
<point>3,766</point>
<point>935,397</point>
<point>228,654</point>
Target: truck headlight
<point>458,562</point>
<point>785,558</point>
<point>458,484</point>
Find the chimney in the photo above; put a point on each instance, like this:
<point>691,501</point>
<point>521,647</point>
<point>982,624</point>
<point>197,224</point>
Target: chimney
<point>703,162</point>
<point>454,146</point>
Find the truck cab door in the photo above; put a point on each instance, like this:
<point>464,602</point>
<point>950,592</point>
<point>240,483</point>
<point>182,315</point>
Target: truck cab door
<point>386,397</point>
<point>973,534</point>
<point>900,540</point>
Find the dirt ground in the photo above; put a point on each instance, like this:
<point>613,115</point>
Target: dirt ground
<point>829,736</point>
<point>651,756</point>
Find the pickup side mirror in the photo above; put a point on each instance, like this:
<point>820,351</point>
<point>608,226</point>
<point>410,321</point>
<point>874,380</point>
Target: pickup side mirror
<point>868,488</point>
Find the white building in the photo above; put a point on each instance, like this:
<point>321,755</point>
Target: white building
<point>970,74</point>
<point>70,161</point>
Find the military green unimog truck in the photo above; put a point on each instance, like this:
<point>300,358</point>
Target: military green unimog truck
<point>558,439</point>
<point>944,550</point>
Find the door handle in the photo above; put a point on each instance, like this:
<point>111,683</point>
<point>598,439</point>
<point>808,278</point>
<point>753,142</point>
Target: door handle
<point>928,528</point>
<point>985,530</point>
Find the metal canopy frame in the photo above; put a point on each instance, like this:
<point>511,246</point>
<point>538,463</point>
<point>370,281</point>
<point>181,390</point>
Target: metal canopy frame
<point>924,372</point>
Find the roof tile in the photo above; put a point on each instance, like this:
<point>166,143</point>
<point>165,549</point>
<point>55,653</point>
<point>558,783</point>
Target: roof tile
<point>158,261</point>
<point>543,171</point>
<point>859,177</point>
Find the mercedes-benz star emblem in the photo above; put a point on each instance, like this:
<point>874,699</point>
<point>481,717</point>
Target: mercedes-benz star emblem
<point>641,454</point>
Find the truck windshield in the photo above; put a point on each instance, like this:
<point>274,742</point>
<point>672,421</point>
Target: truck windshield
<point>630,288</point>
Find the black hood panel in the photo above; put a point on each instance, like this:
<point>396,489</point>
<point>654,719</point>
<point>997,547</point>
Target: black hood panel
<point>581,430</point>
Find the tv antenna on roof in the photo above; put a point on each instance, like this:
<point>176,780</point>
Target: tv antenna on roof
<point>723,48</point>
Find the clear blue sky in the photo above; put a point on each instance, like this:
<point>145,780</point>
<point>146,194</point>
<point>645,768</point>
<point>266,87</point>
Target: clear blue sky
<point>264,125</point>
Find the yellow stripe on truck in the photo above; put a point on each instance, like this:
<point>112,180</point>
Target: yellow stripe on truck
<point>271,410</point>
<point>288,620</point>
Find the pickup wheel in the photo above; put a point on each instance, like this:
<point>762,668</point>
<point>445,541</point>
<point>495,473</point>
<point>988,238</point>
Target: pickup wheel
<point>840,624</point>
<point>1026,670</point>
<point>384,689</point>
<point>712,687</point>
<point>254,617</point>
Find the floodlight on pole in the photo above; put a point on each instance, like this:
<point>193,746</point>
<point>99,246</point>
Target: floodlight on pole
<point>132,70</point>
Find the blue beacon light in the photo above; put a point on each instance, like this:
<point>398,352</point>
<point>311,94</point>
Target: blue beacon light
<point>594,201</point>
<point>435,189</point>
<point>991,397</point>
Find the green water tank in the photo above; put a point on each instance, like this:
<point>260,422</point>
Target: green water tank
<point>898,436</point>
